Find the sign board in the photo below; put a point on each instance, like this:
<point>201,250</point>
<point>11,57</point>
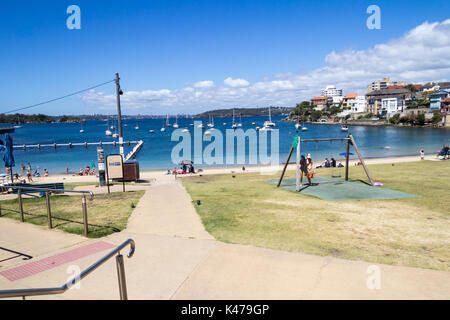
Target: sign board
<point>114,168</point>
<point>101,159</point>
<point>114,163</point>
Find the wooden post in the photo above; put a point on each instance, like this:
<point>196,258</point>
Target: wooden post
<point>298,166</point>
<point>361,159</point>
<point>285,166</point>
<point>347,157</point>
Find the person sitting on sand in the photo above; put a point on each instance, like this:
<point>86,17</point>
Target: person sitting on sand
<point>45,172</point>
<point>444,152</point>
<point>326,163</point>
<point>81,172</point>
<point>333,163</point>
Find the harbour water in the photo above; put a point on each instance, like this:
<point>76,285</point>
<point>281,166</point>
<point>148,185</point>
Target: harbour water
<point>157,149</point>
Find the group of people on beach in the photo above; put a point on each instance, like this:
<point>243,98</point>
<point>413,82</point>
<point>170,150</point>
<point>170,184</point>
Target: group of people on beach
<point>85,172</point>
<point>30,174</point>
<point>184,169</point>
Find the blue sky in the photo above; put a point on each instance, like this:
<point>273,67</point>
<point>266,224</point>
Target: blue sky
<point>162,48</point>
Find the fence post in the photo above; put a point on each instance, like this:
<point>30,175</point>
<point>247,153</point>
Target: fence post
<point>85,218</point>
<point>49,210</point>
<point>121,277</point>
<point>19,194</point>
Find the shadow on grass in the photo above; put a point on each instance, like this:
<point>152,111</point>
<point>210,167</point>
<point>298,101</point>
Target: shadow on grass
<point>64,221</point>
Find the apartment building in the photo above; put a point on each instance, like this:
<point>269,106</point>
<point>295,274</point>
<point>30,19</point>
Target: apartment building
<point>331,91</point>
<point>383,84</point>
<point>391,106</point>
<point>374,98</point>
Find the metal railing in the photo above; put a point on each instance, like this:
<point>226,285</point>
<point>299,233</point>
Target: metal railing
<point>47,197</point>
<point>49,291</point>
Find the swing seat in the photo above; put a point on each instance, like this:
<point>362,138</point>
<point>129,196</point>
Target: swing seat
<point>336,173</point>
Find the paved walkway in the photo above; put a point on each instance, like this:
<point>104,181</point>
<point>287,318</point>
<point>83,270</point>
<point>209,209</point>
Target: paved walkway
<point>177,259</point>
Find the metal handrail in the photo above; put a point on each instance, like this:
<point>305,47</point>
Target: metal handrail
<point>51,190</point>
<point>58,290</point>
<point>48,191</point>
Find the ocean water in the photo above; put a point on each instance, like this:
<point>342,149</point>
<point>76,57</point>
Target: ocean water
<point>157,149</point>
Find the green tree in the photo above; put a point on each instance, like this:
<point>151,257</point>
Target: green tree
<point>395,119</point>
<point>315,115</point>
<point>437,117</point>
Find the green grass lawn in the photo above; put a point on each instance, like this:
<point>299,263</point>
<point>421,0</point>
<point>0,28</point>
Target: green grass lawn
<point>411,232</point>
<point>106,213</point>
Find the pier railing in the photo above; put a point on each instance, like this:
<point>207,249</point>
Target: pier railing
<point>50,291</point>
<point>132,153</point>
<point>48,192</point>
<point>70,144</point>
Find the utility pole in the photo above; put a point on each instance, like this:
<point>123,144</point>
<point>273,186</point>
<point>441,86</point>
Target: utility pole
<point>119,92</point>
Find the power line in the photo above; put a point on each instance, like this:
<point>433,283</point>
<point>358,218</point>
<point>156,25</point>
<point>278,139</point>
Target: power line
<point>56,99</point>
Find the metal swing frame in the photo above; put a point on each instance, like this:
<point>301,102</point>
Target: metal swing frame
<point>349,140</point>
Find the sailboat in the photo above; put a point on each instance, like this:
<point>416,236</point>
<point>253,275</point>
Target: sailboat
<point>168,122</point>
<point>18,123</point>
<point>137,126</point>
<point>162,128</point>
<point>81,130</point>
<point>240,121</point>
<point>108,132</point>
<point>234,125</point>
<point>175,125</point>
<point>211,122</point>
<point>269,123</point>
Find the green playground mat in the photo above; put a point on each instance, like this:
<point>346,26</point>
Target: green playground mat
<point>337,189</point>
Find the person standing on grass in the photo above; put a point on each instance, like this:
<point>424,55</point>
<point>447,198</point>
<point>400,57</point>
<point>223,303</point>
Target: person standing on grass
<point>304,170</point>
<point>422,154</point>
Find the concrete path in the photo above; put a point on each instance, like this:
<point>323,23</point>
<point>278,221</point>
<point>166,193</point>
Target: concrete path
<point>176,258</point>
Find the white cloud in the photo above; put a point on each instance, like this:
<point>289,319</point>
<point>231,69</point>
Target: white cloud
<point>204,84</point>
<point>420,55</point>
<point>236,83</point>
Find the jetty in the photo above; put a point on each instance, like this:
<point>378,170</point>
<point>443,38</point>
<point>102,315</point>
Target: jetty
<point>132,154</point>
<point>71,145</point>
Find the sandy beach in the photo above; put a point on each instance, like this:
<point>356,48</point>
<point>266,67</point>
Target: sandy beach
<point>148,175</point>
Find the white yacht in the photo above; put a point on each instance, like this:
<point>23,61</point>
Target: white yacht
<point>344,128</point>
<point>269,123</point>
<point>108,132</point>
<point>168,122</point>
<point>234,125</point>
<point>175,125</point>
<point>211,122</point>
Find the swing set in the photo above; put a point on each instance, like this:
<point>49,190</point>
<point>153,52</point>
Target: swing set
<point>336,173</point>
